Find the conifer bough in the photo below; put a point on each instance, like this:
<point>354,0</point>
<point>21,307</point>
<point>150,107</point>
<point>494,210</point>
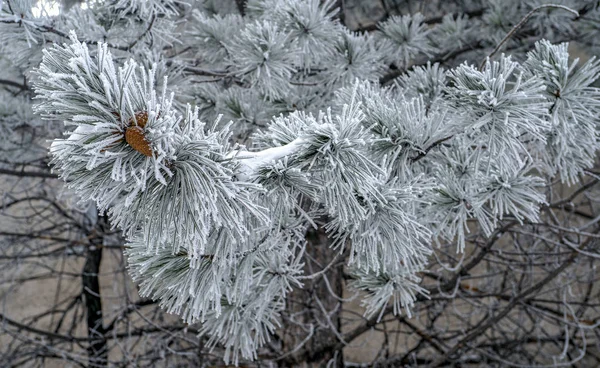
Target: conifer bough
<point>217,230</point>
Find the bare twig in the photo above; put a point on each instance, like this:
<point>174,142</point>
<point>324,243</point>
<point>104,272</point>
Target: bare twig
<point>520,24</point>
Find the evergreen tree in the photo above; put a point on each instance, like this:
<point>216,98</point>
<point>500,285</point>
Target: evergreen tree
<point>218,138</point>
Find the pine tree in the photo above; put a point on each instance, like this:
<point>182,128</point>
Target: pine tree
<point>216,139</point>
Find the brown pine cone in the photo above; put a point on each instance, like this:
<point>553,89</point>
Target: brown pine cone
<point>134,136</point>
<point>141,118</point>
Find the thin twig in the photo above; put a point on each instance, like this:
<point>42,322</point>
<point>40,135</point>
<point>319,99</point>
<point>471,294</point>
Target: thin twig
<point>13,84</point>
<point>200,71</point>
<point>317,274</point>
<point>28,174</point>
<point>521,23</point>
<point>143,34</point>
<point>433,145</point>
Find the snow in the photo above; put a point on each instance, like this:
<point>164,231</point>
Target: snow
<point>251,161</point>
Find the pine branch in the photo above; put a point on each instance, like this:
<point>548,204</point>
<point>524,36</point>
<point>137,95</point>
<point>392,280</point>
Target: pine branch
<point>435,144</point>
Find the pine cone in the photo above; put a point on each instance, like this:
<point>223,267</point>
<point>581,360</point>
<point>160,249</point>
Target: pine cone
<point>134,136</point>
<point>141,118</point>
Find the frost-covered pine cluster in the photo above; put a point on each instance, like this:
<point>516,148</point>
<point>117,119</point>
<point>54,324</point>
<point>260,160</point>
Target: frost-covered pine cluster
<point>215,140</point>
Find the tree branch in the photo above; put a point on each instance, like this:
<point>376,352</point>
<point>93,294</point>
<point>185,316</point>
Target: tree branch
<point>520,24</point>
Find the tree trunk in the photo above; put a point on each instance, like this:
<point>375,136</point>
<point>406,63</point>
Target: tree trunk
<point>97,350</point>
